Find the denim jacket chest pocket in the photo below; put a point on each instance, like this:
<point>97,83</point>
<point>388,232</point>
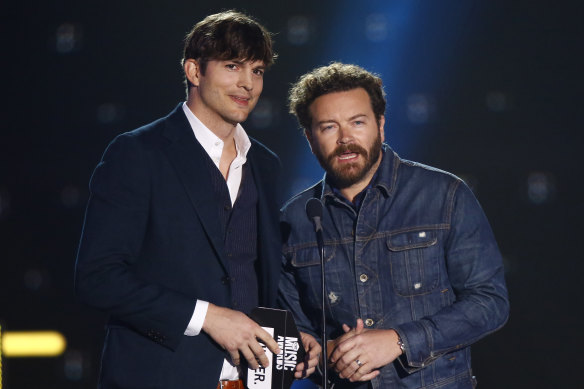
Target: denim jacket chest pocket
<point>306,264</point>
<point>415,261</point>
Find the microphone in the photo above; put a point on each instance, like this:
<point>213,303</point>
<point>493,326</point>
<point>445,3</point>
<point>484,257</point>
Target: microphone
<point>314,212</point>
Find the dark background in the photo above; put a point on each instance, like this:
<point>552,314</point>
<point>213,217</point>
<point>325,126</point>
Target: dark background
<point>489,90</point>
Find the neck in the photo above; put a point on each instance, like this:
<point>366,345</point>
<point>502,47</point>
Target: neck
<point>351,191</point>
<point>224,130</point>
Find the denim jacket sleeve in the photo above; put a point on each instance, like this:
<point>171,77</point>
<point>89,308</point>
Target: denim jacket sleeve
<point>475,271</point>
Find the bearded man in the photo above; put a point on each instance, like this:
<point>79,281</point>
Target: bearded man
<point>413,273</point>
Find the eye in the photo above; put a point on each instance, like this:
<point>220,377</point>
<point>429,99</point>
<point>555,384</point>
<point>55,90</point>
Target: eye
<point>231,66</point>
<point>259,72</point>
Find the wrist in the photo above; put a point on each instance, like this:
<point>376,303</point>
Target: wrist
<point>401,344</point>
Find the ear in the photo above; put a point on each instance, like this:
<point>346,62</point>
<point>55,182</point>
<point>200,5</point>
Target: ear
<point>381,130</point>
<point>192,71</point>
<point>308,135</point>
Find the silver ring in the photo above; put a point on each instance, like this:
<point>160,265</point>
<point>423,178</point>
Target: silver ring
<point>358,362</point>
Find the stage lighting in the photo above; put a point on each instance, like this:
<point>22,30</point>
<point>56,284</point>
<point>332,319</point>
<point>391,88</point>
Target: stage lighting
<point>33,343</point>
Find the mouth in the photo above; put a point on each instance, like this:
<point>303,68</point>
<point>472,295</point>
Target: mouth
<point>240,100</point>
<point>347,156</point>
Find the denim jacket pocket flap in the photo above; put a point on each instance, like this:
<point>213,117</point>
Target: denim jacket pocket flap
<point>412,239</point>
<point>414,258</point>
<point>310,256</point>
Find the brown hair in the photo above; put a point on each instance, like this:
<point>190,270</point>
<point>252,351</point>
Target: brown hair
<point>228,35</point>
<point>336,77</point>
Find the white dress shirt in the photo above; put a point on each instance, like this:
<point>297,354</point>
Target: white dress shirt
<point>213,145</point>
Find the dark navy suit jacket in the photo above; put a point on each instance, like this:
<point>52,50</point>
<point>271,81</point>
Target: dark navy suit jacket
<point>152,244</point>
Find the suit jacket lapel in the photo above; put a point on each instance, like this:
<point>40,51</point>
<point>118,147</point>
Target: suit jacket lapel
<point>268,236</point>
<point>187,156</point>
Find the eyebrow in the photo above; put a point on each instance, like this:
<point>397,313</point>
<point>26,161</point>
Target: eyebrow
<point>334,121</point>
<point>241,62</point>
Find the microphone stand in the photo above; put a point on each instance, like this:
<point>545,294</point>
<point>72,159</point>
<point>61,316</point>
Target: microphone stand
<point>314,211</point>
<point>320,243</point>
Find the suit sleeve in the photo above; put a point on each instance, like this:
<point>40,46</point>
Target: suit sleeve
<point>112,239</point>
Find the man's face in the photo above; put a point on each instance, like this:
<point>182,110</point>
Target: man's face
<point>227,92</point>
<point>346,137</point>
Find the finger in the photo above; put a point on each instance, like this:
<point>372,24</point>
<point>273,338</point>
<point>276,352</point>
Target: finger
<point>307,339</point>
<point>299,372</point>
<point>357,373</point>
<point>343,344</point>
<point>235,357</point>
<point>302,370</point>
<point>349,370</point>
<point>313,348</point>
<point>308,372</point>
<point>300,366</point>
<point>369,376</point>
<point>259,354</point>
<point>346,361</point>
<point>360,326</point>
<point>346,328</point>
<point>247,353</point>
<point>313,359</point>
<point>342,349</point>
<point>267,339</point>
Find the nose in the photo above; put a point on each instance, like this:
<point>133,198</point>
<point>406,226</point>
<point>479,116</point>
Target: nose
<point>345,135</point>
<point>245,80</point>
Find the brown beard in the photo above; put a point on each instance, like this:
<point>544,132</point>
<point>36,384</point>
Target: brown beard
<point>350,173</point>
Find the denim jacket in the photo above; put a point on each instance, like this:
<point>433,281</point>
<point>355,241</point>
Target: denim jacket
<point>418,256</point>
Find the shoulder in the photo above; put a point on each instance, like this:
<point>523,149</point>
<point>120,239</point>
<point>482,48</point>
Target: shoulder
<point>259,150</point>
<point>418,174</point>
<point>151,135</point>
<point>412,167</point>
<point>436,184</point>
<point>297,203</point>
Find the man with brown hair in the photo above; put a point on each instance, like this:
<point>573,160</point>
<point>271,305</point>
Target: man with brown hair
<point>171,244</point>
<point>413,273</point>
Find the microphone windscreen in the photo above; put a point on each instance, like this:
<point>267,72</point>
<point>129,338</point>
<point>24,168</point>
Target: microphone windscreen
<point>314,208</point>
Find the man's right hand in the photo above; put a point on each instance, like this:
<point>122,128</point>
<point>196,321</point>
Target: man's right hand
<point>237,333</point>
<point>359,353</point>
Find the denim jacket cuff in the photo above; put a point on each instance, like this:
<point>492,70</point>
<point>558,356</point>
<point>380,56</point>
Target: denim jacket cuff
<point>417,343</point>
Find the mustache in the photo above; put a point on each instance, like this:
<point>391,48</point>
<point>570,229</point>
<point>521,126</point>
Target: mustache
<point>348,148</point>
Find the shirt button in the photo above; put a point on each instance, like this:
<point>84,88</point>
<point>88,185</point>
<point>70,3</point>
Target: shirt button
<point>369,322</point>
<point>363,277</point>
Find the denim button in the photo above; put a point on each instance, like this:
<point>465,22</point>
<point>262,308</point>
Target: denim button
<point>369,322</point>
<point>363,278</point>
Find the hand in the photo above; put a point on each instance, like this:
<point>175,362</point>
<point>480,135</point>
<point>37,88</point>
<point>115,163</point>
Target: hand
<point>237,333</point>
<point>313,350</point>
<point>349,333</point>
<point>373,348</point>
